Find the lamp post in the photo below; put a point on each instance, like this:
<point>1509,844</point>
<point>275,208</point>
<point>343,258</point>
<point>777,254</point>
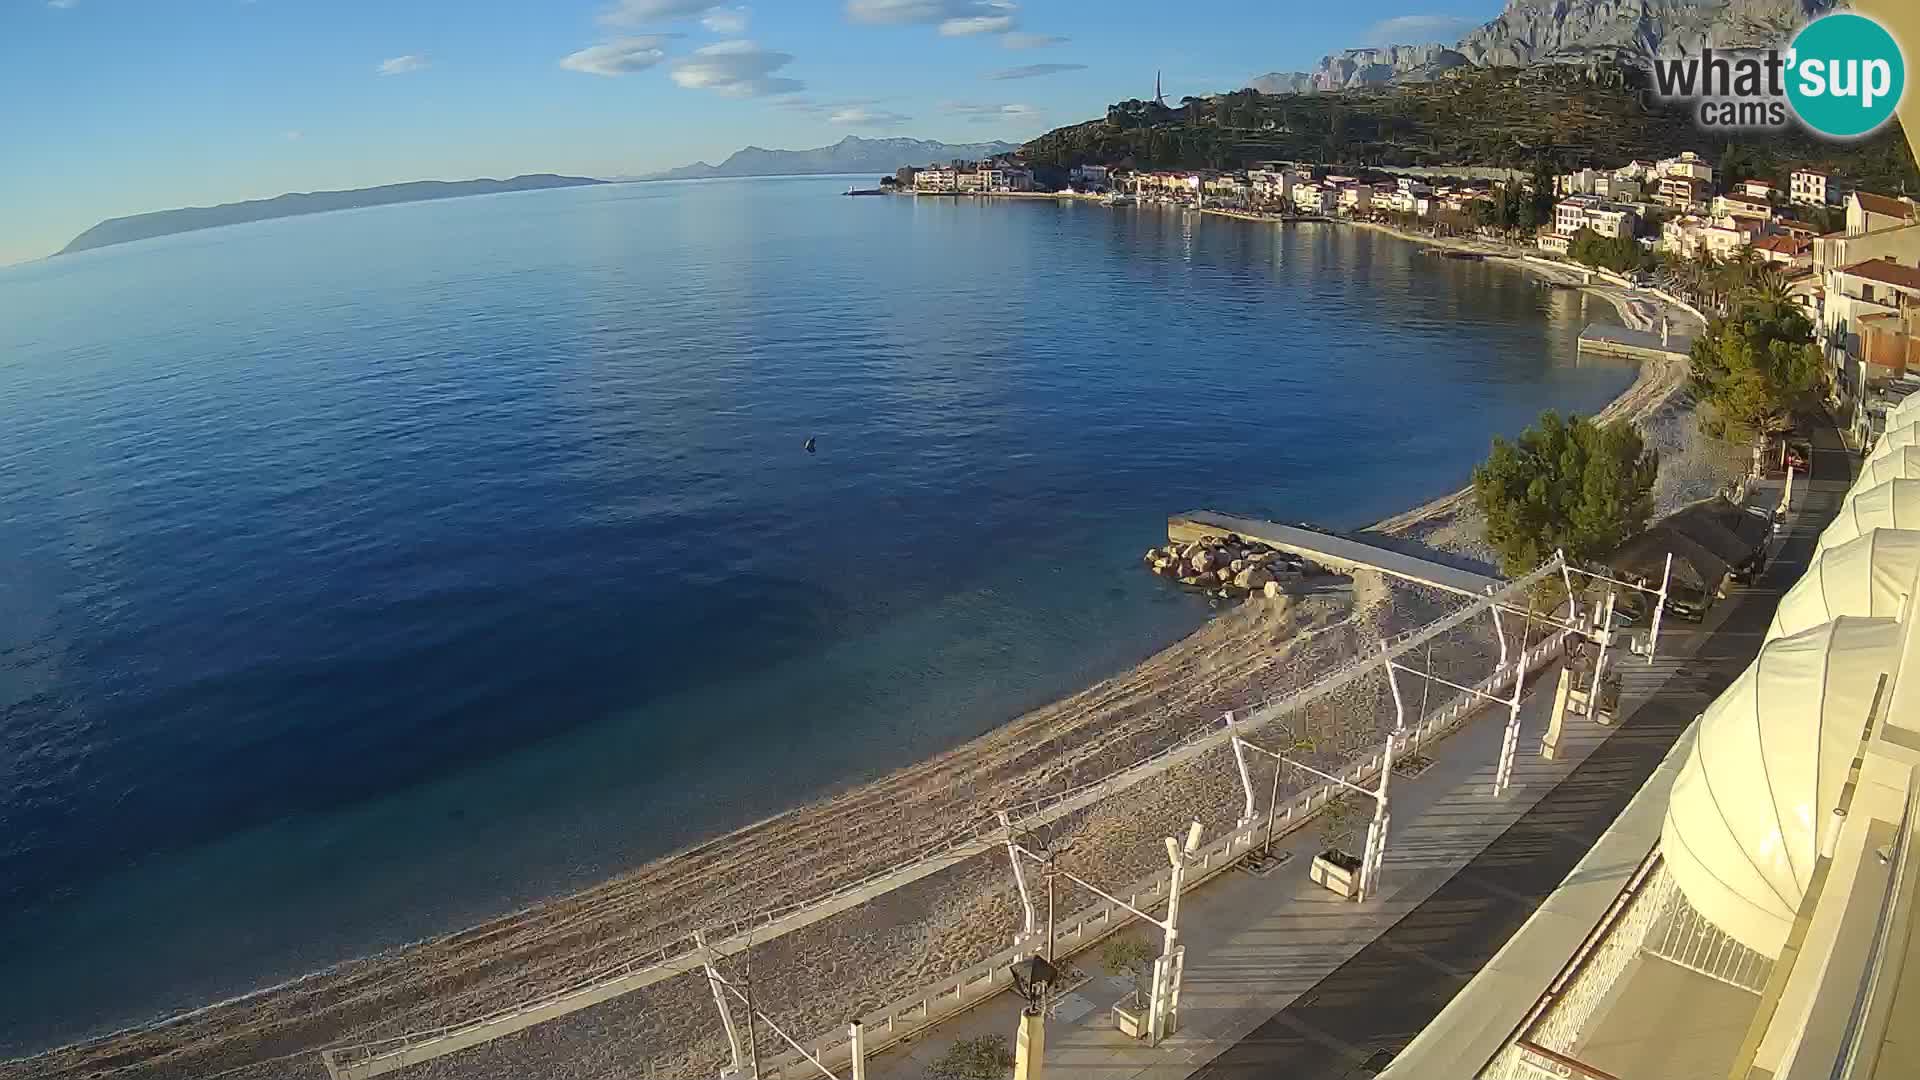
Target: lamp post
<point>1033,978</point>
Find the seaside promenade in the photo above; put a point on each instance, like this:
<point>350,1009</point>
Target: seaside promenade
<point>1285,979</point>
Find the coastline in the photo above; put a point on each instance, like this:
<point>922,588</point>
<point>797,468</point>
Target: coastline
<point>273,1032</point>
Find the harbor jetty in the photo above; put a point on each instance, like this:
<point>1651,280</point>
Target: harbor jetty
<point>1332,550</point>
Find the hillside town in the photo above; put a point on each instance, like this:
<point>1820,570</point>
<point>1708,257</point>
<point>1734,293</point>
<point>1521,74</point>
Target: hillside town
<point>1851,258</point>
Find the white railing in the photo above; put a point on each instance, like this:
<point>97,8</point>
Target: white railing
<point>363,1060</point>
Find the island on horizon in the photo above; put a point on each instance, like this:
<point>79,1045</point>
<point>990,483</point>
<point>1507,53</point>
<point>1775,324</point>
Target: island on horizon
<point>123,230</point>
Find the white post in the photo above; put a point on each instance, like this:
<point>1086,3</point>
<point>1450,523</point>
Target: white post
<point>857,1042</point>
<point>1498,631</point>
<point>1240,762</point>
<point>1605,635</point>
<point>1659,609</point>
<point>1376,850</point>
<point>1165,989</point>
<point>1019,880</point>
<point>1510,741</point>
<point>1573,602</point>
<point>1393,684</point>
<point>720,999</point>
<point>1786,497</point>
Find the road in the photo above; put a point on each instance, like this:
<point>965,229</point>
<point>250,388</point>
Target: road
<point>1351,1022</point>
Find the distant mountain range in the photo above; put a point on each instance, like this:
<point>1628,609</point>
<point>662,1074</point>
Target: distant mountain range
<point>850,155</point>
<point>1531,32</point>
<point>123,230</point>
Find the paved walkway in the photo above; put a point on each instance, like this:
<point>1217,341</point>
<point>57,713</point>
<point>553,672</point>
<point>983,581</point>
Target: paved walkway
<point>1332,550</point>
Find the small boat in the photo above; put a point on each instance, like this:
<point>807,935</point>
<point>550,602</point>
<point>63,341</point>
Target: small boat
<point>1117,199</point>
<point>865,191</point>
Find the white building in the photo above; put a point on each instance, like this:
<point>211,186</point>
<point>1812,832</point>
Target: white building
<point>1271,185</point>
<point>1691,236</point>
<point>1093,176</point>
<point>1689,165</point>
<point>1867,212</point>
<point>1739,205</point>
<point>1005,178</point>
<point>1591,212</point>
<point>1316,198</point>
<point>1812,187</point>
<point>937,180</point>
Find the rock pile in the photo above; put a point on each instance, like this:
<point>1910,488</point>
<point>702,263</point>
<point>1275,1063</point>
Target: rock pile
<point>1228,567</point>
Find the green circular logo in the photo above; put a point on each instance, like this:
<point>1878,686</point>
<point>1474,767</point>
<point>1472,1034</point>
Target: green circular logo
<point>1845,75</point>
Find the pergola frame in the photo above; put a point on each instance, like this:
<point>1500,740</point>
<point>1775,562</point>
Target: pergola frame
<point>1163,1002</point>
<point>1376,849</point>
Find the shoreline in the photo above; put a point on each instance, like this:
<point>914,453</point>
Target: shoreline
<point>267,1031</point>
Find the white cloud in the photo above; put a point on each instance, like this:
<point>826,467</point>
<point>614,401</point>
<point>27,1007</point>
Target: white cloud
<point>735,69</point>
<point>63,4</point>
<point>1032,41</point>
<point>1032,71</point>
<point>621,56</point>
<point>1419,29</point>
<point>731,21</point>
<point>986,114</point>
<point>401,65</point>
<point>801,104</point>
<point>976,24</point>
<point>955,18</point>
<point>641,12</point>
<point>864,117</point>
<point>293,136</point>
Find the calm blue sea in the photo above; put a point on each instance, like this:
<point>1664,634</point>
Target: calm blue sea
<point>366,574</point>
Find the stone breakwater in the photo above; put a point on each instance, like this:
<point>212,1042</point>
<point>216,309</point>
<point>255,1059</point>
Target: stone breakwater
<point>1229,567</point>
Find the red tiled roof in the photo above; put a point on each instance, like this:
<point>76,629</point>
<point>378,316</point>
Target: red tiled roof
<point>1884,206</point>
<point>1784,245</point>
<point>1886,272</point>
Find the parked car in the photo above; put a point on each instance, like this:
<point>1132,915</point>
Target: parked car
<point>1798,455</point>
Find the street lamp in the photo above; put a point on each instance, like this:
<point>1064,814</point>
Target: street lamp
<point>1033,978</point>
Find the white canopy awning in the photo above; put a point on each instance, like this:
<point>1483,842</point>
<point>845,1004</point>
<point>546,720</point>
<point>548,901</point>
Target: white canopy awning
<point>1899,464</point>
<point>1892,505</point>
<point>1757,790</point>
<point>1906,434</point>
<point>1905,411</point>
<point>1869,577</point>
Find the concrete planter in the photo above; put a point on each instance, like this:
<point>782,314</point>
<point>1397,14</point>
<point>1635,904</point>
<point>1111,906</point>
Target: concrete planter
<point>1338,871</point>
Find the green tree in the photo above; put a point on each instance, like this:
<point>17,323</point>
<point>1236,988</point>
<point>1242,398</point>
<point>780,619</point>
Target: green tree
<point>1611,252</point>
<point>1566,483</point>
<point>985,1057</point>
<point>1755,363</point>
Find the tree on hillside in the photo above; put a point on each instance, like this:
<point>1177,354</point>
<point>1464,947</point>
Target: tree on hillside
<point>1755,363</point>
<point>1568,484</point>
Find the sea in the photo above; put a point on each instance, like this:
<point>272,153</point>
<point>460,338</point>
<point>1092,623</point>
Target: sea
<point>368,574</point>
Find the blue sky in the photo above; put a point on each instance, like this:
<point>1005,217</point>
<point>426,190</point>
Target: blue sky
<point>122,106</point>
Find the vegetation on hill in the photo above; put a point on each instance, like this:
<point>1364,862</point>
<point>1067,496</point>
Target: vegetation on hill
<point>1554,117</point>
<point>1568,484</point>
<point>1758,361</point>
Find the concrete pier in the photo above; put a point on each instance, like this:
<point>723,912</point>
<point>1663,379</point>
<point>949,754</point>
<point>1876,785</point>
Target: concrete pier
<point>1632,344</point>
<point>1332,550</point>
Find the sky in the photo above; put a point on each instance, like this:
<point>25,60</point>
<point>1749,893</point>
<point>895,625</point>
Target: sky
<point>117,107</point>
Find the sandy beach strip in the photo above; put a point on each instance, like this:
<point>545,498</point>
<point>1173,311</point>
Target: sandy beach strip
<point>817,977</point>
